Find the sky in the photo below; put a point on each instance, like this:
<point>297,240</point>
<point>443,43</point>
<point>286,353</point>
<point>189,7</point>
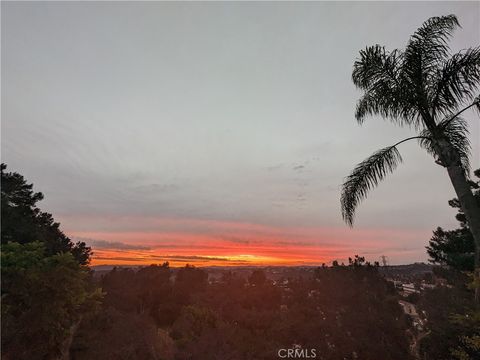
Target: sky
<point>216,133</point>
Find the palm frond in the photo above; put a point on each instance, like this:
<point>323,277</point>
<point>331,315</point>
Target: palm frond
<point>455,133</point>
<point>376,72</point>
<point>457,81</point>
<point>366,176</point>
<point>372,103</point>
<point>476,101</point>
<point>436,30</point>
<point>426,50</point>
<point>429,43</point>
<point>370,67</point>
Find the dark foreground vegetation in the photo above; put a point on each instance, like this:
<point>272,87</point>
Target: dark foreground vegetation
<point>336,310</point>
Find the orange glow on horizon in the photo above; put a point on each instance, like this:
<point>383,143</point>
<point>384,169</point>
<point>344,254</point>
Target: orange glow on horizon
<point>135,259</point>
<point>216,243</point>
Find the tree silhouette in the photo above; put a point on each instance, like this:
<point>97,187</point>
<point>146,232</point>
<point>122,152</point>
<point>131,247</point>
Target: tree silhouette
<point>427,88</point>
<point>257,278</point>
<point>455,248</point>
<point>44,298</point>
<point>46,286</point>
<point>24,222</point>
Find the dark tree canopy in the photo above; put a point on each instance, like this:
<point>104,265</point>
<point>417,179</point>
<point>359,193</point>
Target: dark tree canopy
<point>46,285</point>
<point>455,248</point>
<point>257,278</point>
<point>43,299</point>
<point>344,312</point>
<point>24,222</point>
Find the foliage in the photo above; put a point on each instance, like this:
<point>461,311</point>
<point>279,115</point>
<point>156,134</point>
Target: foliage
<point>448,311</point>
<point>46,285</point>
<point>455,248</point>
<point>257,278</point>
<point>43,297</point>
<point>469,345</point>
<point>424,87</point>
<point>188,282</point>
<point>24,222</point>
<point>337,310</point>
<point>144,291</point>
<point>453,318</point>
<point>425,77</point>
<point>116,335</point>
<point>365,176</point>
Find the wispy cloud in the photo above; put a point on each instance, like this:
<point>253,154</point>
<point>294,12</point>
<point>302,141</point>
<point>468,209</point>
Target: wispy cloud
<point>112,245</point>
<point>234,239</point>
<point>195,258</point>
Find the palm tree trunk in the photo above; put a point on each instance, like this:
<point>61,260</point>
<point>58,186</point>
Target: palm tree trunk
<point>471,210</point>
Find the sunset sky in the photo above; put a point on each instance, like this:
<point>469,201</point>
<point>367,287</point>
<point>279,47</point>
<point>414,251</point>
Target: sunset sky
<point>216,133</point>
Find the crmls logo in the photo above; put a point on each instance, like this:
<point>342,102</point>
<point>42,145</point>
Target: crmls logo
<point>297,353</point>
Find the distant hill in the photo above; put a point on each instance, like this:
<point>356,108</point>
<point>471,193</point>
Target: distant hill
<point>274,272</point>
<point>406,270</point>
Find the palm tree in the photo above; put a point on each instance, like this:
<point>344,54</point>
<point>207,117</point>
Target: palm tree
<point>426,88</point>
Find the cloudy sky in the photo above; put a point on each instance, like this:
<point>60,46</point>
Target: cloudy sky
<point>215,133</point>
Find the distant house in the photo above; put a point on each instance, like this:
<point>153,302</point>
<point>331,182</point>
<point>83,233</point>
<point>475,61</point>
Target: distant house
<point>427,286</point>
<point>409,289</point>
